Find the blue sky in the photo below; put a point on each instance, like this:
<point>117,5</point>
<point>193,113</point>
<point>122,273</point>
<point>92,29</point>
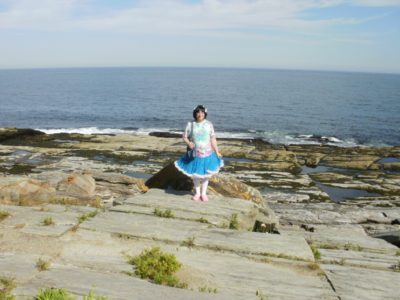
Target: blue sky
<point>352,35</point>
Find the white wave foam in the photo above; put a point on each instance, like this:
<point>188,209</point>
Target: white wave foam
<point>86,130</point>
<point>273,137</point>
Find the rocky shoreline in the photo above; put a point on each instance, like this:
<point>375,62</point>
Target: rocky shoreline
<point>345,202</point>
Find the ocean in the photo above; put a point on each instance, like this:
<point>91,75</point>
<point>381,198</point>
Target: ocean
<point>278,106</point>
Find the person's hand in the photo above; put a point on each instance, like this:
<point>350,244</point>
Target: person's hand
<point>219,154</point>
<point>191,145</point>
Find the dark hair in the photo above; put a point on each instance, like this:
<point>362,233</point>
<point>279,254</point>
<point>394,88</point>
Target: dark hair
<point>200,108</point>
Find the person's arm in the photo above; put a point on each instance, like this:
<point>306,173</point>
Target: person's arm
<point>214,144</point>
<point>188,142</point>
<point>186,134</point>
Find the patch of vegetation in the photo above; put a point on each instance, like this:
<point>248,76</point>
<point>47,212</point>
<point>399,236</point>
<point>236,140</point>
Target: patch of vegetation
<point>163,214</point>
<point>47,221</point>
<point>93,296</point>
<point>98,202</point>
<point>189,242</point>
<point>17,169</point>
<point>326,246</point>
<point>282,255</point>
<point>54,294</point>
<point>203,220</point>
<point>206,289</point>
<point>234,223</point>
<point>397,253</point>
<point>6,286</point>
<point>157,266</point>
<point>261,295</point>
<point>42,265</point>
<point>313,266</point>
<point>340,262</point>
<point>352,247</point>
<point>124,236</point>
<point>315,251</point>
<point>84,217</point>
<point>396,267</point>
<point>4,214</point>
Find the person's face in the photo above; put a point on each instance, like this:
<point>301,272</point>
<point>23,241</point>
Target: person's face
<point>200,115</point>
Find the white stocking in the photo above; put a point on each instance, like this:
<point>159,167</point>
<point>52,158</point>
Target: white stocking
<point>196,182</point>
<point>204,186</point>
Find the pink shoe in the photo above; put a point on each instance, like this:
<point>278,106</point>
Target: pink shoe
<point>204,198</point>
<point>196,198</point>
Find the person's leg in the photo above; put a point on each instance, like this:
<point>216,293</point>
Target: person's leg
<point>196,183</point>
<point>204,186</point>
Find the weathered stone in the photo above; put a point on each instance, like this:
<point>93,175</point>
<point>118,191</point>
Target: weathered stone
<point>26,192</point>
<point>358,283</point>
<point>77,185</point>
<point>361,162</point>
<point>231,187</point>
<point>170,177</point>
<point>18,133</point>
<point>219,211</point>
<point>165,229</point>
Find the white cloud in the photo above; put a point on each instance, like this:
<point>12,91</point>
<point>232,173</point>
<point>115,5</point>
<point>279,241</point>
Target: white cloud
<point>172,16</point>
<point>376,2</point>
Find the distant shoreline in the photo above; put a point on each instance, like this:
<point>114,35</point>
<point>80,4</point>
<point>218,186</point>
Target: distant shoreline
<point>309,140</point>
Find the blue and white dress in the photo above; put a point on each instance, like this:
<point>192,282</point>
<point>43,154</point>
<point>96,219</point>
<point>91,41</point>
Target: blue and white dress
<point>206,162</point>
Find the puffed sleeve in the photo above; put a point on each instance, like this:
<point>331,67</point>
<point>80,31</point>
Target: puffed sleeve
<point>188,130</point>
<point>212,132</point>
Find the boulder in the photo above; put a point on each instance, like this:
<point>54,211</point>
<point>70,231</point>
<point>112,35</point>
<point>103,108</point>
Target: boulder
<point>232,187</point>
<point>81,186</point>
<point>170,177</point>
<point>27,192</point>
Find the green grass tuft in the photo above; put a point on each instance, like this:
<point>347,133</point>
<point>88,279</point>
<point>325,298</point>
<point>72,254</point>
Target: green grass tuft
<point>352,247</point>
<point>163,214</point>
<point>315,251</point>
<point>42,265</point>
<point>157,266</point>
<point>3,215</point>
<point>261,295</point>
<point>203,220</point>
<point>206,289</point>
<point>396,267</point>
<point>189,242</point>
<point>47,221</point>
<point>84,217</point>
<point>54,294</point>
<point>93,296</point>
<point>234,223</point>
<point>6,286</point>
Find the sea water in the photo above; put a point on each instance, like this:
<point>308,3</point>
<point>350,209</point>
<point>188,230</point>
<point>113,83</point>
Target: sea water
<point>279,106</point>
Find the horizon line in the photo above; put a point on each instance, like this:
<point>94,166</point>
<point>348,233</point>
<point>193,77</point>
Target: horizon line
<point>201,67</point>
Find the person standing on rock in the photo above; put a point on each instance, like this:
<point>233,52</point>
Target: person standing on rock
<point>203,158</point>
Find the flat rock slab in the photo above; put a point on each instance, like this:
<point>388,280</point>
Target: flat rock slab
<point>359,283</point>
<point>237,275</point>
<point>218,211</point>
<point>20,266</point>
<point>243,276</point>
<point>351,236</point>
<point>379,261</point>
<point>177,231</point>
<point>29,219</point>
<point>113,286</point>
